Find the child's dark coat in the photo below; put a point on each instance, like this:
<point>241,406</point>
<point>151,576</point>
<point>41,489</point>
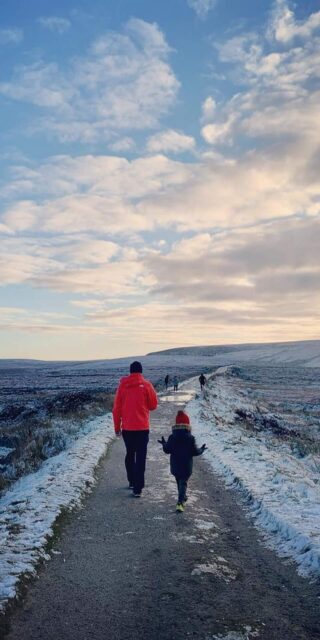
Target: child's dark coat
<point>182,448</point>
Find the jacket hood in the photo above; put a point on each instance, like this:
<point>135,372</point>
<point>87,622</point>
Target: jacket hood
<point>133,380</point>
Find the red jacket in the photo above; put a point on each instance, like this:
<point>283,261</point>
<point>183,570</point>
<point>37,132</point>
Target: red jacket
<point>134,399</point>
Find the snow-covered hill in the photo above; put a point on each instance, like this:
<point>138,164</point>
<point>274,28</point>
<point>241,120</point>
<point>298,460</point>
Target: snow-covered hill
<point>305,353</point>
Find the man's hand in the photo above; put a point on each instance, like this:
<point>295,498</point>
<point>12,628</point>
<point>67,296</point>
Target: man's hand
<point>162,441</point>
<point>118,434</point>
<point>204,447</point>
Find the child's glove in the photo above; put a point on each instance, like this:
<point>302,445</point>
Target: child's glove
<point>162,441</point>
<point>203,448</point>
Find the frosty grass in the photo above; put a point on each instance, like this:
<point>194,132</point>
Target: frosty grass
<point>282,491</point>
<point>30,507</point>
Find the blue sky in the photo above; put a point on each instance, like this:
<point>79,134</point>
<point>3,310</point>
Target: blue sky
<point>159,175</point>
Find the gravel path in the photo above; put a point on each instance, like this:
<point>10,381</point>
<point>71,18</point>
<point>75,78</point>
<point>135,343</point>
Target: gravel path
<point>126,568</point>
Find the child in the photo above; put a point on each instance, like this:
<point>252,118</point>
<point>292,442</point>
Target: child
<point>182,447</point>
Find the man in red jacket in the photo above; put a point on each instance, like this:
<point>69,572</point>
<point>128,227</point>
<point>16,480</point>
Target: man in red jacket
<point>135,398</point>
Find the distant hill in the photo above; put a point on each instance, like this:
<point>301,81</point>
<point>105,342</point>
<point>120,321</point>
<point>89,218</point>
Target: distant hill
<point>303,353</point>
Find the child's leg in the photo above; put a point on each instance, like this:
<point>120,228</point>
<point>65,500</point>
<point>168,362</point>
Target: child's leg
<point>178,481</point>
<point>182,488</point>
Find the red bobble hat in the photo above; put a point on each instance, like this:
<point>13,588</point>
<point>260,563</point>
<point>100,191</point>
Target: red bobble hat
<point>182,418</point>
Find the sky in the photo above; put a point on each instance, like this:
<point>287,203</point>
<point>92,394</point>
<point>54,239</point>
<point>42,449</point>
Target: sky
<point>159,175</point>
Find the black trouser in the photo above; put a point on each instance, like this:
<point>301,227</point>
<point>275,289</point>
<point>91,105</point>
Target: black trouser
<point>136,445</point>
<point>182,484</point>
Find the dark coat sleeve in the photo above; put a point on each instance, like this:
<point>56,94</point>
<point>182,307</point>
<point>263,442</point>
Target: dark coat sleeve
<point>167,446</point>
<point>195,451</point>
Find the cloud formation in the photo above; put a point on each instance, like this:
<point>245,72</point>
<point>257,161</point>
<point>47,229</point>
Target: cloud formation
<point>54,23</point>
<point>124,82</point>
<point>170,140</point>
<point>202,7</point>
<point>223,247</point>
<point>11,36</point>
<point>284,27</point>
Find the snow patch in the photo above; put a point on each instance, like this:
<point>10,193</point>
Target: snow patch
<point>184,537</point>
<point>31,506</point>
<point>246,634</point>
<point>283,491</point>
<point>219,568</point>
<point>205,525</point>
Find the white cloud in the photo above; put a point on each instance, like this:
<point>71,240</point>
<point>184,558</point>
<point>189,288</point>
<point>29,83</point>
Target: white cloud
<point>54,23</point>
<point>86,251</point>
<point>124,82</point>
<point>123,144</point>
<point>245,276</point>
<point>278,96</point>
<point>100,193</point>
<point>41,85</point>
<point>73,264</point>
<point>208,108</point>
<point>21,216</point>
<point>17,265</point>
<point>149,35</point>
<point>11,36</point>
<point>284,27</point>
<point>218,132</point>
<point>202,7</point>
<point>170,140</point>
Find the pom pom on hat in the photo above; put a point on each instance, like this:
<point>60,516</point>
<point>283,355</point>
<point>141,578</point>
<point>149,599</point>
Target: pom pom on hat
<point>182,418</point>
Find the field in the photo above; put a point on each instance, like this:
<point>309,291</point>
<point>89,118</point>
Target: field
<point>43,405</point>
<point>259,414</point>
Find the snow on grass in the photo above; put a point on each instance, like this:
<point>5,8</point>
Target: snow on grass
<point>4,451</point>
<point>282,490</point>
<point>31,506</point>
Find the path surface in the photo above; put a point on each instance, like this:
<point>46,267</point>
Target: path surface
<point>126,568</point>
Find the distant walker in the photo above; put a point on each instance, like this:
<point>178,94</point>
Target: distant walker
<point>202,380</point>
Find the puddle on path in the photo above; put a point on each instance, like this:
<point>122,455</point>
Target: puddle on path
<point>178,397</point>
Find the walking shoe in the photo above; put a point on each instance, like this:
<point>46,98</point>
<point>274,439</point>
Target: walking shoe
<point>130,486</point>
<point>137,494</point>
<point>179,507</point>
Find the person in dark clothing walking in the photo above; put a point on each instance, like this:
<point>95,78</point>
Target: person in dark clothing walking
<point>134,399</point>
<point>181,446</point>
<point>166,381</point>
<point>175,383</point>
<point>202,380</point>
